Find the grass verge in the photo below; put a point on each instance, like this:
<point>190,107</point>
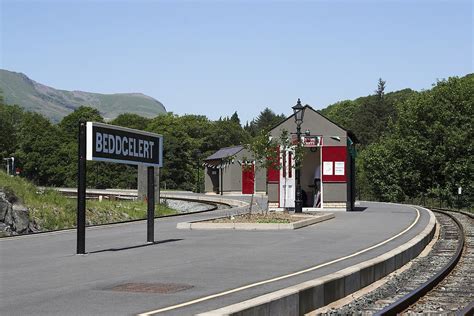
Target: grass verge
<point>51,211</point>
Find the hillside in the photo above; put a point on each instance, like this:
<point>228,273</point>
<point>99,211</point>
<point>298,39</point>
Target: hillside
<point>17,88</point>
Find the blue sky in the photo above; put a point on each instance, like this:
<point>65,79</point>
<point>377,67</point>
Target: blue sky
<point>217,57</point>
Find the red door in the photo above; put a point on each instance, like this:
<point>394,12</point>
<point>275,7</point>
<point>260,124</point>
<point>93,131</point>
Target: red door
<point>248,179</point>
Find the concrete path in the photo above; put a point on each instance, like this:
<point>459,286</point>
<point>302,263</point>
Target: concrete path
<point>41,275</point>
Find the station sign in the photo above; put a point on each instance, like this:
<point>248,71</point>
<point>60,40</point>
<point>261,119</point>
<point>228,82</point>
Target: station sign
<point>312,141</point>
<point>308,141</point>
<point>123,145</point>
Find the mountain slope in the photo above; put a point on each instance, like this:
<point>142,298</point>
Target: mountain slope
<point>17,88</point>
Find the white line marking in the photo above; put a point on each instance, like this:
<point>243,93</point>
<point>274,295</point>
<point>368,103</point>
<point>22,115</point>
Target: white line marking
<point>206,298</point>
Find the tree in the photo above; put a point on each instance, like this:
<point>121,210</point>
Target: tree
<point>235,118</point>
<point>100,174</point>
<point>342,113</point>
<point>37,151</point>
<point>179,147</point>
<point>263,154</point>
<point>380,89</point>
<point>428,150</point>
<point>264,122</point>
<point>70,123</point>
<point>131,120</point>
<point>11,117</point>
<point>225,133</point>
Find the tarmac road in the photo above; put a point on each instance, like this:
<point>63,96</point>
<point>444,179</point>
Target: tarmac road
<point>41,275</point>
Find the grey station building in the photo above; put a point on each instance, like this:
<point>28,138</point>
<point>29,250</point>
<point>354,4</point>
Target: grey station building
<point>327,173</point>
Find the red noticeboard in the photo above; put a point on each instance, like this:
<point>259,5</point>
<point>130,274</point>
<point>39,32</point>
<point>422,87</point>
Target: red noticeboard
<point>334,164</point>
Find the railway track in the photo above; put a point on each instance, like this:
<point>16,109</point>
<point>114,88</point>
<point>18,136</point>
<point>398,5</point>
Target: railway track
<point>451,289</point>
<point>442,282</point>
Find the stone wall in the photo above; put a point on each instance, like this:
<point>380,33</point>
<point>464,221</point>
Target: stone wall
<point>14,216</point>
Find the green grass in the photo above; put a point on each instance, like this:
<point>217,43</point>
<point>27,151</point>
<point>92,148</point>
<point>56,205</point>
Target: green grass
<point>102,212</point>
<point>52,211</point>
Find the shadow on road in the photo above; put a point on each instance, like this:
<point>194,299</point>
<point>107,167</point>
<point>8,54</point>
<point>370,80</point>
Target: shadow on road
<point>137,246</point>
<point>359,209</point>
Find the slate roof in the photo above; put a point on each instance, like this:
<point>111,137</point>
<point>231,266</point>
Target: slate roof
<point>225,152</point>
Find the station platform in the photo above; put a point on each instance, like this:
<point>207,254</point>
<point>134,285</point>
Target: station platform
<point>187,272</point>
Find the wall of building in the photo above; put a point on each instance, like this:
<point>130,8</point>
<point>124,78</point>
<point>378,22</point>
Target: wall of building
<point>335,194</point>
<point>261,180</point>
<point>232,175</point>
<point>273,191</point>
<point>208,179</point>
<point>317,125</point>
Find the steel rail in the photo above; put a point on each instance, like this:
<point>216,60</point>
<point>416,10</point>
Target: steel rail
<point>409,299</point>
<point>471,215</point>
<point>468,310</point>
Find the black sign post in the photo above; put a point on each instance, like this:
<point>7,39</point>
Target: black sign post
<point>150,231</point>
<point>81,190</point>
<point>103,142</point>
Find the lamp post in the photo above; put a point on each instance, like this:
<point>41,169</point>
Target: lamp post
<point>298,110</point>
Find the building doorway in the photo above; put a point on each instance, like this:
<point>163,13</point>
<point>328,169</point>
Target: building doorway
<point>213,174</point>
<point>248,178</point>
<point>311,178</point>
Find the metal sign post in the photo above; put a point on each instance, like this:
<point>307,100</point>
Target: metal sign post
<point>150,225</point>
<point>81,190</point>
<point>103,142</point>
<point>459,197</point>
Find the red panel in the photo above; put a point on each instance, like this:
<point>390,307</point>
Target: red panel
<point>273,173</point>
<point>334,164</point>
<point>248,179</point>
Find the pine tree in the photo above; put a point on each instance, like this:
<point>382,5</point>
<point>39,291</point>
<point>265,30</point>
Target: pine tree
<point>235,118</point>
<point>380,89</point>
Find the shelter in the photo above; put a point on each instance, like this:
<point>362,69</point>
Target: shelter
<point>328,165</point>
<point>327,173</point>
<point>231,171</point>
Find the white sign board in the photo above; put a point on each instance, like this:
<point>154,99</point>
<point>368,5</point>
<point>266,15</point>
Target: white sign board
<point>312,141</point>
<point>123,145</point>
<point>327,168</point>
<point>339,168</point>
